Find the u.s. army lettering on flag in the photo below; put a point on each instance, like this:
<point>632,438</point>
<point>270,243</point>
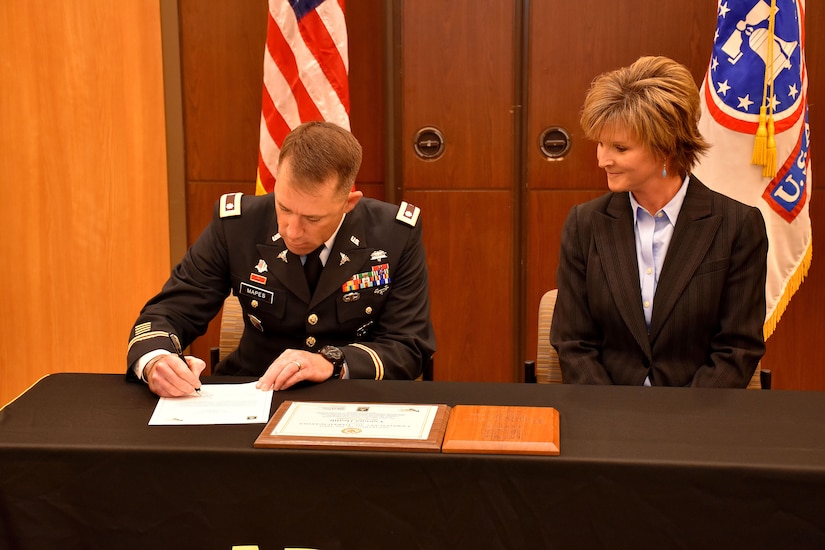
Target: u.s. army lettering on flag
<point>758,64</point>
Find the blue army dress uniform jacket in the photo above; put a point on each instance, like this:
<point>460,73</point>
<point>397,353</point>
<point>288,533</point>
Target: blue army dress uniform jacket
<point>372,299</point>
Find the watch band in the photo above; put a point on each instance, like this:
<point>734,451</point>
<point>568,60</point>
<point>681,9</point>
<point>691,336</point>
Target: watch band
<point>336,357</point>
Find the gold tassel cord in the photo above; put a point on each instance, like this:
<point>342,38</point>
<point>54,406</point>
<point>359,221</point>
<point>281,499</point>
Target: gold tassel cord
<point>769,169</point>
<point>760,143</point>
<point>764,146</point>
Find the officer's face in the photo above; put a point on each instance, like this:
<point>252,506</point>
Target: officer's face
<point>306,220</point>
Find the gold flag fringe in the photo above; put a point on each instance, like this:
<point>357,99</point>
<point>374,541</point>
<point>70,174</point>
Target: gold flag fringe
<point>790,289</point>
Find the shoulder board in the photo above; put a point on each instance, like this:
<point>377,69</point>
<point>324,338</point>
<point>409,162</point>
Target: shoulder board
<point>231,205</point>
<point>408,213</point>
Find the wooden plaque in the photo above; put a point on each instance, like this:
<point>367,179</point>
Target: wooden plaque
<point>364,426</point>
<point>490,429</point>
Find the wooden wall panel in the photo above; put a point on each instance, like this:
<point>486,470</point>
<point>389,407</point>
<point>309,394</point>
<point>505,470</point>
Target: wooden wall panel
<point>568,50</point>
<point>458,77</point>
<point>222,52</point>
<point>458,71</point>
<point>470,262</point>
<point>83,165</point>
<point>815,60</point>
<point>367,80</point>
<point>546,212</point>
<point>796,348</point>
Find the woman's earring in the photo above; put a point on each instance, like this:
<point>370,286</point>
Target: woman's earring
<point>664,170</point>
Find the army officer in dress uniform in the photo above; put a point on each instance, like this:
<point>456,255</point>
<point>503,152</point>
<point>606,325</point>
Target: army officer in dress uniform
<point>368,317</point>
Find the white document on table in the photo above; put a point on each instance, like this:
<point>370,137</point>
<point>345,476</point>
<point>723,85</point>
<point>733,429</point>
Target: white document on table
<point>216,404</point>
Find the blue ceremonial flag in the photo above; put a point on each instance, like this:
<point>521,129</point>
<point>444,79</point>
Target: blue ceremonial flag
<point>755,115</point>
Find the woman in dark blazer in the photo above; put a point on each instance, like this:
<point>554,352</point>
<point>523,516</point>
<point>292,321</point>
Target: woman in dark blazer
<point>662,280</point>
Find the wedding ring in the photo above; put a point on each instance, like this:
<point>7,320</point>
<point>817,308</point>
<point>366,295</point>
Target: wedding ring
<point>297,364</point>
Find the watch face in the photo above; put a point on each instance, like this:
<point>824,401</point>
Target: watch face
<point>332,354</point>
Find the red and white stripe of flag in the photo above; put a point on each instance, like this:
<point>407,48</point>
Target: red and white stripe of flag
<point>305,75</point>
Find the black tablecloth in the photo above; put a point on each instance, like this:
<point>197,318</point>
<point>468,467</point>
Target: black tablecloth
<point>639,467</point>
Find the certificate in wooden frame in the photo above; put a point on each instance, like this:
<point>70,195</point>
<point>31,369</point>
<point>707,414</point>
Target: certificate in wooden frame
<point>360,426</point>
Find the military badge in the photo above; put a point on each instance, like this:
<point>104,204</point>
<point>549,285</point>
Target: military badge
<point>256,322</point>
<point>379,275</point>
<point>230,205</point>
<point>408,213</point>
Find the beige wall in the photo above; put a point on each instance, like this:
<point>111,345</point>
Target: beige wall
<point>84,235</point>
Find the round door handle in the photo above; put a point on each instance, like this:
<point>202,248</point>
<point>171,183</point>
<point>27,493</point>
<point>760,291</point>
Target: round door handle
<point>554,143</point>
<point>429,143</point>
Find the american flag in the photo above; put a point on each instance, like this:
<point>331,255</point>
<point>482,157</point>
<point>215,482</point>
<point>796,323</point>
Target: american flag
<point>758,64</point>
<point>305,75</point>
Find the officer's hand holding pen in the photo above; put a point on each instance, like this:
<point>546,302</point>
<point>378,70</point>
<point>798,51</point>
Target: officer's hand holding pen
<point>168,377</point>
<point>179,352</point>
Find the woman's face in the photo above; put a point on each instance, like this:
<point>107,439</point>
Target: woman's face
<point>630,165</point>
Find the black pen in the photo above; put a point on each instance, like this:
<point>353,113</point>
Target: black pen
<point>179,352</point>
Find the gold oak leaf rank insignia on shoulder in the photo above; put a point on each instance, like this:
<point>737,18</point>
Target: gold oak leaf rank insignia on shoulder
<point>408,213</point>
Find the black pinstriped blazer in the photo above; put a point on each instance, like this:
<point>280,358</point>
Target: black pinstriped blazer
<point>709,307</point>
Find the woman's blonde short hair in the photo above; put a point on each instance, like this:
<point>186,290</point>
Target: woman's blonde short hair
<point>657,101</point>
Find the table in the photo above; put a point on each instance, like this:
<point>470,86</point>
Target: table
<point>639,467</point>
